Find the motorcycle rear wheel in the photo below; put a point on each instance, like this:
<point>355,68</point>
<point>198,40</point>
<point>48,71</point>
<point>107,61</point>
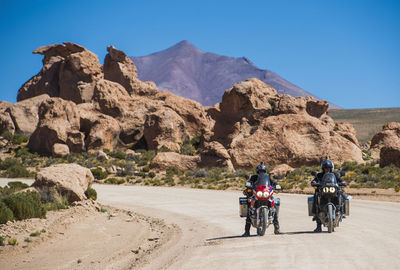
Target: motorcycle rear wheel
<point>264,221</point>
<point>330,218</point>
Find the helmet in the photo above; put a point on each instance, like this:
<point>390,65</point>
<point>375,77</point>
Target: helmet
<point>327,164</point>
<point>261,167</point>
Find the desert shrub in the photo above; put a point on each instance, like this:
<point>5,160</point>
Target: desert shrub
<point>12,187</point>
<point>118,154</point>
<point>145,169</point>
<point>91,193</point>
<point>170,171</point>
<point>99,174</point>
<point>19,138</point>
<point>12,242</point>
<point>146,157</point>
<point>2,241</point>
<point>151,174</point>
<point>189,146</point>
<point>7,135</point>
<point>8,162</point>
<point>127,169</point>
<point>35,234</point>
<point>17,171</point>
<point>397,189</point>
<point>5,213</point>
<point>25,205</point>
<point>58,202</point>
<point>114,181</point>
<point>28,240</point>
<point>23,152</point>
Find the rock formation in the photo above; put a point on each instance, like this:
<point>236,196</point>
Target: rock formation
<point>69,180</point>
<point>388,136</point>
<point>84,106</point>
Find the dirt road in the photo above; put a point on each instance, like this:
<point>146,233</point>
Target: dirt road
<point>211,227</point>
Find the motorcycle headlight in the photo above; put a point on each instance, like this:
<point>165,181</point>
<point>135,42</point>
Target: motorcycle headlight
<point>325,189</point>
<point>332,189</point>
<point>259,194</point>
<point>266,194</point>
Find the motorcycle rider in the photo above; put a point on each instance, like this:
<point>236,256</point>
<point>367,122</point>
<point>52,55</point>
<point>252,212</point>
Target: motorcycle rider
<point>327,166</point>
<point>261,169</point>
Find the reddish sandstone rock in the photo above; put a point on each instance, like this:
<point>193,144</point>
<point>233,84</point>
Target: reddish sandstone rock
<point>388,137</point>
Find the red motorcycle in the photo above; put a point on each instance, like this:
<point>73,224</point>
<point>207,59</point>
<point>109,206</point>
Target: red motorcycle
<point>262,204</point>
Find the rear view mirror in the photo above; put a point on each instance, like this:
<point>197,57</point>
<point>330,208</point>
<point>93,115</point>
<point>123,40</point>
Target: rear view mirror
<point>278,187</point>
<point>314,173</point>
<point>247,177</point>
<point>342,173</point>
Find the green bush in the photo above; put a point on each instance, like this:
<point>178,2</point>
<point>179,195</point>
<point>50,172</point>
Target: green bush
<point>5,213</point>
<point>17,171</point>
<point>99,174</point>
<point>8,162</point>
<point>19,138</point>
<point>25,205</point>
<point>59,202</point>
<point>114,181</point>
<point>23,152</point>
<point>91,193</point>
<point>12,242</point>
<point>151,174</point>
<point>118,154</point>
<point>35,234</point>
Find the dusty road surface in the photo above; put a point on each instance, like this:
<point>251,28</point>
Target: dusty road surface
<point>206,231</point>
<point>211,227</point>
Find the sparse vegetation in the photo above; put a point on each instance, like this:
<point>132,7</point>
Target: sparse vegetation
<point>28,240</point>
<point>35,234</point>
<point>12,242</point>
<point>91,193</point>
<point>25,205</point>
<point>99,174</point>
<point>115,181</point>
<point>2,241</point>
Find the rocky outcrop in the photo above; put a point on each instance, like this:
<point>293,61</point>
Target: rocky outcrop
<point>164,160</point>
<point>21,117</point>
<point>118,68</point>
<point>69,71</point>
<point>254,123</point>
<point>390,155</point>
<point>280,171</point>
<point>69,180</point>
<point>59,122</point>
<point>60,150</point>
<point>388,137</point>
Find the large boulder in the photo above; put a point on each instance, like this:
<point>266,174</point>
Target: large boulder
<point>101,131</point>
<point>292,139</point>
<point>164,160</point>
<point>119,68</point>
<point>388,137</point>
<point>390,155</point>
<point>78,74</point>
<point>69,180</point>
<point>59,122</point>
<point>69,71</point>
<point>164,129</point>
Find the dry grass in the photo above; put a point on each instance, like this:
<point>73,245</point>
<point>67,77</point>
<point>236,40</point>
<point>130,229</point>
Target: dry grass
<point>367,122</point>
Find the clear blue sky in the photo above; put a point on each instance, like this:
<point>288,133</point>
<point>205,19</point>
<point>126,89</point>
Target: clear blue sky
<point>347,52</point>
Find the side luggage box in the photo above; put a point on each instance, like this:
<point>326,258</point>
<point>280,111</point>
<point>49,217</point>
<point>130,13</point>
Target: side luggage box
<point>243,206</point>
<point>310,201</point>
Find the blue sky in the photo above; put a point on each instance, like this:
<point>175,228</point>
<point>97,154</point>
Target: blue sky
<point>346,52</point>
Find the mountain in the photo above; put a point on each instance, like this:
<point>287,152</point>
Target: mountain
<point>189,72</point>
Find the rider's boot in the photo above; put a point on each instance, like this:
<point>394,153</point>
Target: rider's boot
<point>276,228</point>
<point>247,229</point>
<point>319,227</point>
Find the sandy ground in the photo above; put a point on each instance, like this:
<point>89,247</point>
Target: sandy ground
<point>203,229</point>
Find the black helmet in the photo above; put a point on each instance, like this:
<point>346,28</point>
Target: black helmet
<point>327,164</point>
<point>261,167</point>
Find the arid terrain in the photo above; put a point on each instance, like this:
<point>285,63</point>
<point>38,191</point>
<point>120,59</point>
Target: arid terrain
<point>200,229</point>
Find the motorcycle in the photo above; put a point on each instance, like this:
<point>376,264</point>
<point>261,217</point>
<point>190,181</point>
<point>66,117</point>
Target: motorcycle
<point>262,204</point>
<point>330,206</point>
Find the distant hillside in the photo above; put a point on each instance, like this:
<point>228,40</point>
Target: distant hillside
<point>189,72</point>
<point>367,122</point>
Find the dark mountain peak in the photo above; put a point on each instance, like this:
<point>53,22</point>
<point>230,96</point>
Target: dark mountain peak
<point>187,71</point>
<point>183,47</point>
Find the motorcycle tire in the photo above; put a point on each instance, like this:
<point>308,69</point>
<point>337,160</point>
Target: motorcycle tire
<point>330,218</point>
<point>264,221</point>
